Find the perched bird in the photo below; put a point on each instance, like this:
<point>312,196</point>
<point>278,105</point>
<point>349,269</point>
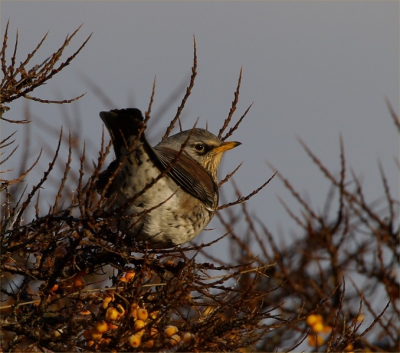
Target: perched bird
<point>175,208</point>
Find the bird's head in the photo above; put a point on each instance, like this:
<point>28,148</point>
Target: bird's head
<point>203,146</point>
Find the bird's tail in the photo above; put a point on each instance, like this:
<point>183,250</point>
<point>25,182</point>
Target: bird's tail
<point>122,124</point>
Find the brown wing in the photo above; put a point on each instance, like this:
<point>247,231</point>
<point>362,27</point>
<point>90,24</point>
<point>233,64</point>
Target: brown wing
<point>189,175</point>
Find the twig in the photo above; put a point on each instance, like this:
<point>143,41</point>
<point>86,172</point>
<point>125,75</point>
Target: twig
<point>187,94</point>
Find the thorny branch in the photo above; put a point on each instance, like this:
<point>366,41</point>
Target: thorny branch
<point>19,81</point>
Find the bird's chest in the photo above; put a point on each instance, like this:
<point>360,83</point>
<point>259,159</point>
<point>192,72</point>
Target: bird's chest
<point>139,183</point>
<point>177,221</point>
<point>136,173</point>
<point>162,212</point>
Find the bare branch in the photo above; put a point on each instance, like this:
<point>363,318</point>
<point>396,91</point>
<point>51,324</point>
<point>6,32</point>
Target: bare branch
<point>233,107</point>
<point>245,198</point>
<point>187,94</point>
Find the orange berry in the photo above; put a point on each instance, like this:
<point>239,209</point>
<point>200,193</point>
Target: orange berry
<point>105,302</point>
<point>111,314</point>
<point>130,275</point>
<point>79,281</point>
<point>112,326</point>
<point>139,324</point>
<point>85,312</point>
<point>317,327</point>
<point>313,319</point>
<point>142,314</point>
<point>149,344</point>
<point>349,348</point>
<point>187,337</point>
<point>140,333</point>
<point>135,340</point>
<point>101,326</point>
<point>95,335</point>
<point>134,310</point>
<point>123,279</point>
<point>170,330</point>
<point>315,340</point>
<point>55,287</point>
<point>154,314</point>
<point>174,340</point>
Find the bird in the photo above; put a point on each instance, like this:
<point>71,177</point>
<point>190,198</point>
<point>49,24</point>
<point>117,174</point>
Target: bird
<point>169,192</point>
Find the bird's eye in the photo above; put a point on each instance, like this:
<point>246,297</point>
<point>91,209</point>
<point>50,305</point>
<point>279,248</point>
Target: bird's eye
<point>199,147</point>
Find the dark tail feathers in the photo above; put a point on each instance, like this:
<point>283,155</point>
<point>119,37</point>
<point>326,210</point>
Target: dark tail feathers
<point>122,124</point>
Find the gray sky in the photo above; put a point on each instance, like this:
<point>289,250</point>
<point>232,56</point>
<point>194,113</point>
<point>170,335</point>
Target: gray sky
<point>313,70</point>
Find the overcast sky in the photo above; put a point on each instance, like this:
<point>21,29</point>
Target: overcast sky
<point>314,70</point>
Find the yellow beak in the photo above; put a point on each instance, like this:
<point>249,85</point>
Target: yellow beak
<point>225,146</point>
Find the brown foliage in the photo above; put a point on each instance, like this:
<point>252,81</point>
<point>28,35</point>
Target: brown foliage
<point>69,283</point>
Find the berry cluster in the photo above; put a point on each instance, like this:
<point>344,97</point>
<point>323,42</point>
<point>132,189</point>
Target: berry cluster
<point>320,331</point>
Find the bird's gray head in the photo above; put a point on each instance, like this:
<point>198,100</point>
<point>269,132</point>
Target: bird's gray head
<point>203,146</point>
